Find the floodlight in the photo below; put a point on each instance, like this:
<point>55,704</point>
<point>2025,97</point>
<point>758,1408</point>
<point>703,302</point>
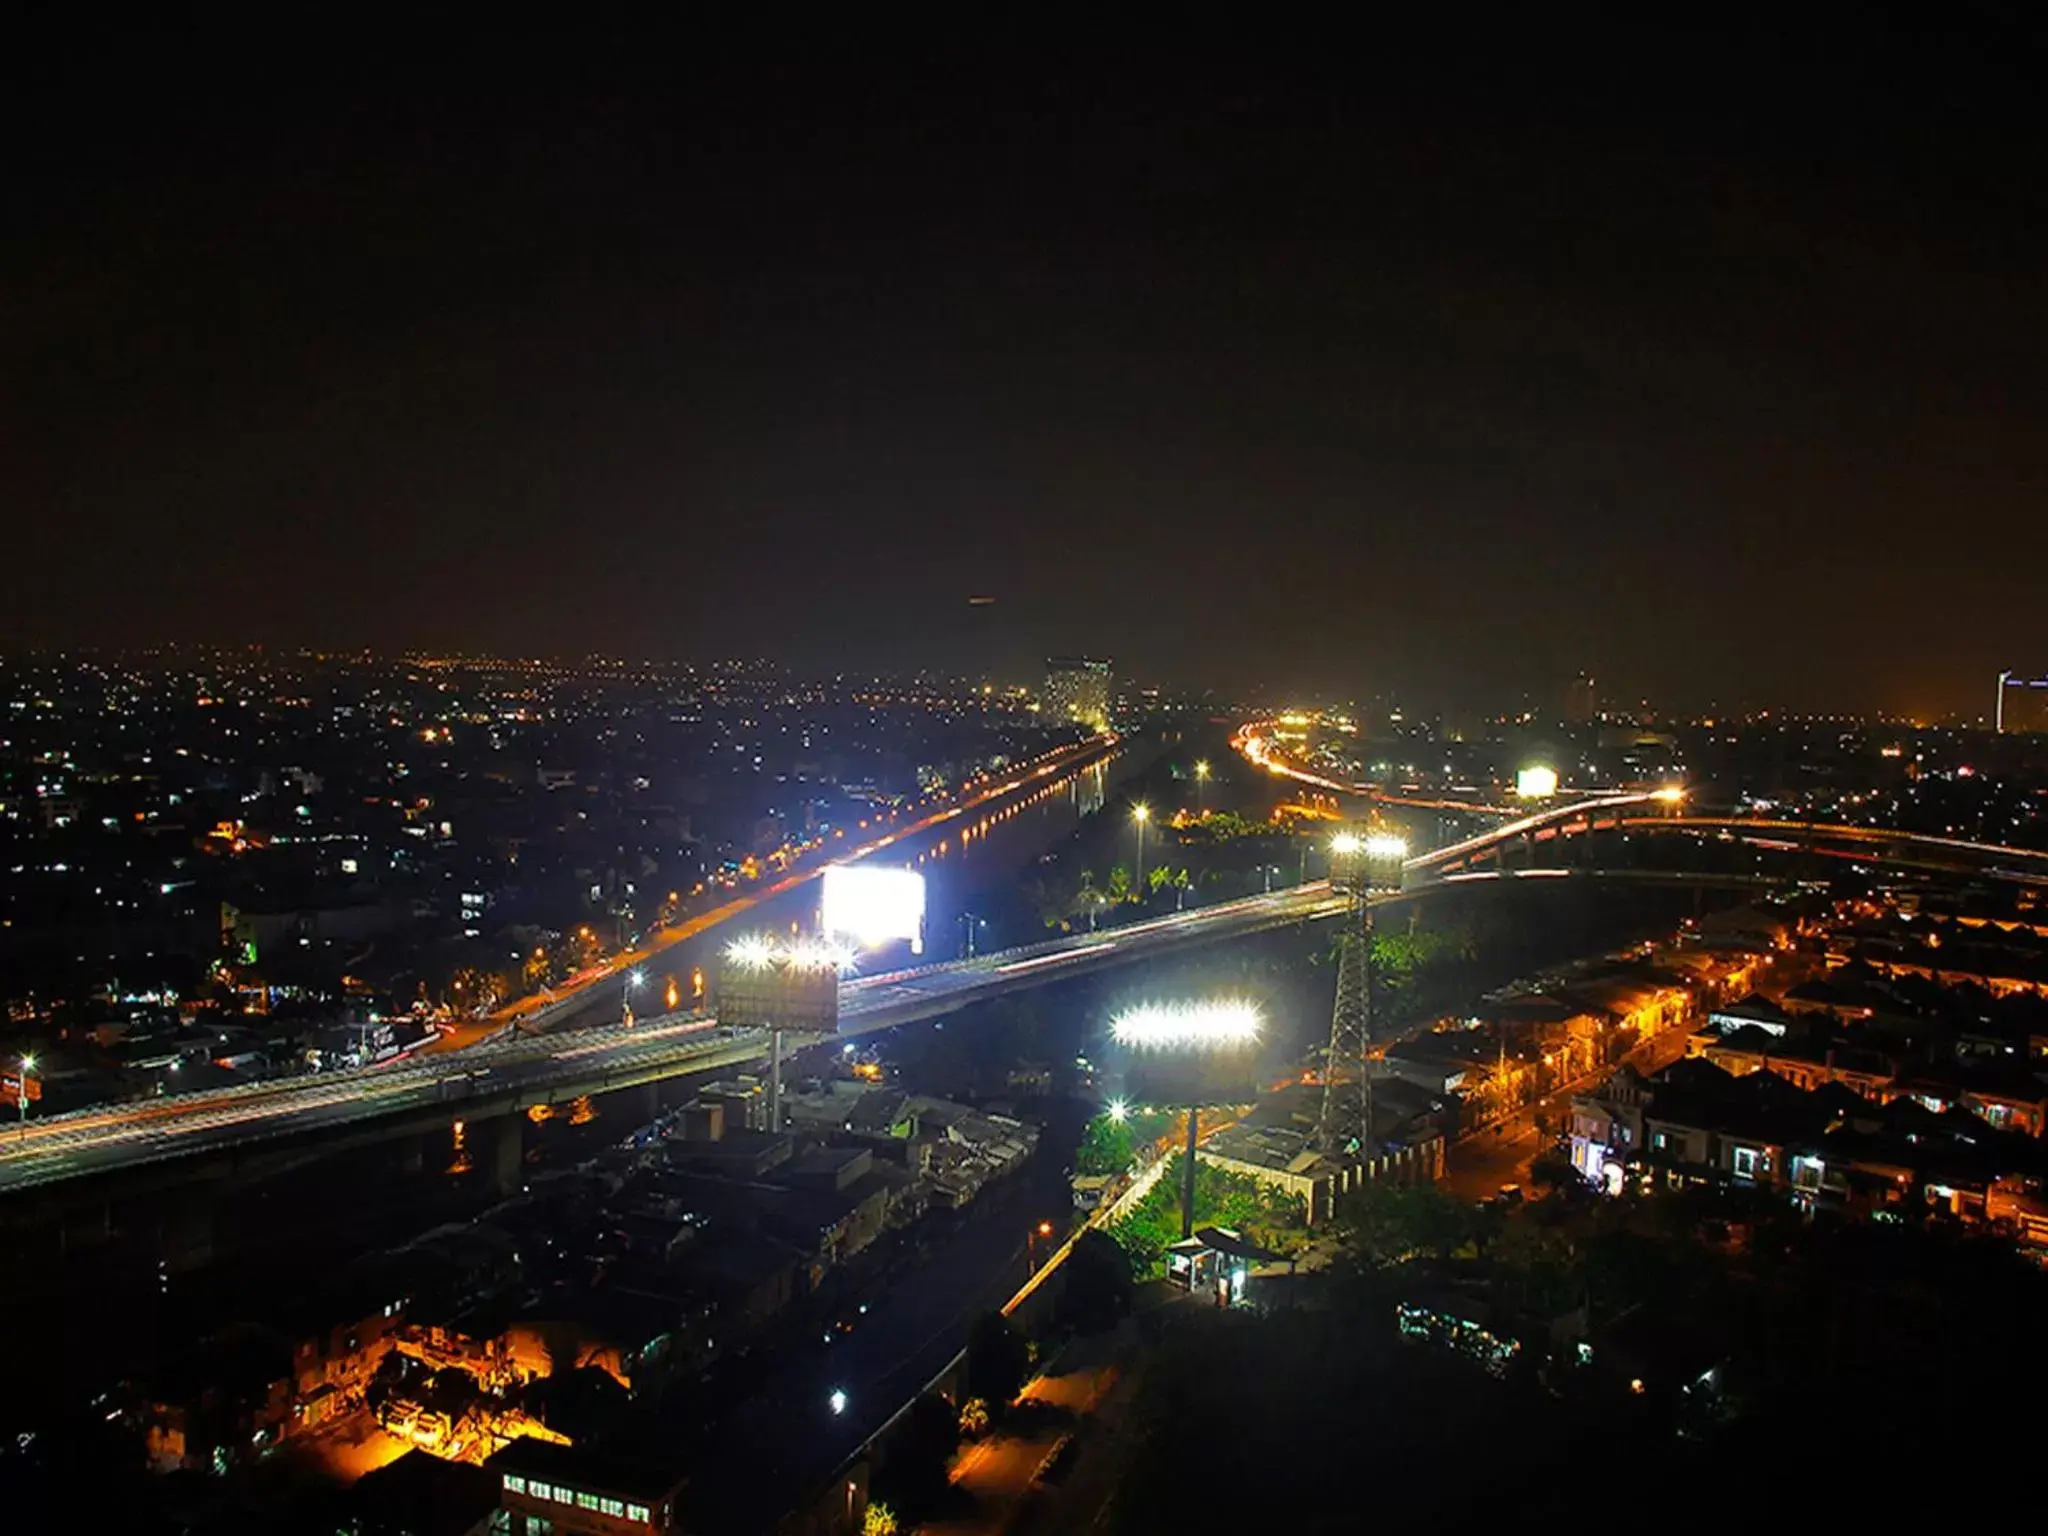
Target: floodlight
<point>1187,1026</point>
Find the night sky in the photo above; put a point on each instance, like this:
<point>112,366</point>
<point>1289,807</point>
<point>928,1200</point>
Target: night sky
<point>1711,363</point>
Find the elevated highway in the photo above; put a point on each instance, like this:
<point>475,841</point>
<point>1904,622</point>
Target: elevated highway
<point>1648,815</point>
<point>1655,812</point>
<point>511,1075</point>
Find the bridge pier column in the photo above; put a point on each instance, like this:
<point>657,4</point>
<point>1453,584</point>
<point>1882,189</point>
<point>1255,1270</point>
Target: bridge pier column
<point>504,1153</point>
<point>81,1231</point>
<point>641,1105</point>
<point>184,1239</point>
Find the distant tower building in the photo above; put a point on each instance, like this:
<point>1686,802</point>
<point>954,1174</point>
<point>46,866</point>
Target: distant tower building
<point>2022,705</point>
<point>1581,701</point>
<point>1077,689</point>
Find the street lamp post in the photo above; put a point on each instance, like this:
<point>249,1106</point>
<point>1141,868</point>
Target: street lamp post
<point>1140,814</point>
<point>1201,789</point>
<point>28,1065</point>
<point>633,979</point>
<point>1043,1229</point>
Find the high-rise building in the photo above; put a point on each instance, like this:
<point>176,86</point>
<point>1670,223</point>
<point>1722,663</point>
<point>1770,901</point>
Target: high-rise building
<point>1078,689</point>
<point>2022,704</point>
<point>1581,700</point>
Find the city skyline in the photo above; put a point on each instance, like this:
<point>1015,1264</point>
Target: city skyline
<point>1243,372</point>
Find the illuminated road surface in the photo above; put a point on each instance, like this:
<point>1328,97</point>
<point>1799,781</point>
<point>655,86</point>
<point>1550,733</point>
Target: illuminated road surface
<point>585,992</point>
<point>540,1068</point>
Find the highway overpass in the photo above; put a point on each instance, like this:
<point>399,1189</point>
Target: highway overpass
<point>1635,815</point>
<point>1656,812</point>
<point>509,1076</point>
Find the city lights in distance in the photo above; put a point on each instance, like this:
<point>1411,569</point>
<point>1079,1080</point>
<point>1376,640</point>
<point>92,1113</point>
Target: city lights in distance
<point>1536,783</point>
<point>1215,1025</point>
<point>873,905</point>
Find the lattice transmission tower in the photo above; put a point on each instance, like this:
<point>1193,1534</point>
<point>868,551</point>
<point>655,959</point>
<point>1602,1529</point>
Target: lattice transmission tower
<point>1361,865</point>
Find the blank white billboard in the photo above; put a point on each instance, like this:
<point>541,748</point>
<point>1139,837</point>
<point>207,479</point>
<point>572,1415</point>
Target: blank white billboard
<point>874,904</point>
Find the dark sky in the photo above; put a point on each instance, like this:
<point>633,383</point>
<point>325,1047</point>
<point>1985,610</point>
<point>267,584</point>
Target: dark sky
<point>1712,362</point>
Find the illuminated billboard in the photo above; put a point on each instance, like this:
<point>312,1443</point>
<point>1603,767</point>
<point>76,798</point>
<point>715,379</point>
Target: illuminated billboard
<point>1537,783</point>
<point>874,904</point>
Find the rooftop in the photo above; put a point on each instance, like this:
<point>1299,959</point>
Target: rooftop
<point>586,1470</point>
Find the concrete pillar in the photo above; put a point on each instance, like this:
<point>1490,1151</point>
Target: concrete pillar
<point>82,1229</point>
<point>503,1158</point>
<point>638,1105</point>
<point>185,1235</point>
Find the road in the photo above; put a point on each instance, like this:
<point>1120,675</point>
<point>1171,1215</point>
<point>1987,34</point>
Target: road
<point>999,1475</point>
<point>885,1001</point>
<point>592,989</point>
<point>41,1152</point>
<point>1481,1164</point>
<point>785,1438</point>
<point>527,1069</point>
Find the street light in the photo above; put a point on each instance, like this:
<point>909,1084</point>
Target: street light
<point>1119,1111</point>
<point>1140,814</point>
<point>28,1065</point>
<point>1201,785</point>
<point>1043,1229</point>
<point>837,1401</point>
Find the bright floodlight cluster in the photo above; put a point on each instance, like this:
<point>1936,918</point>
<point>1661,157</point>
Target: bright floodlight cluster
<point>1380,845</point>
<point>1184,1026</point>
<point>759,952</point>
